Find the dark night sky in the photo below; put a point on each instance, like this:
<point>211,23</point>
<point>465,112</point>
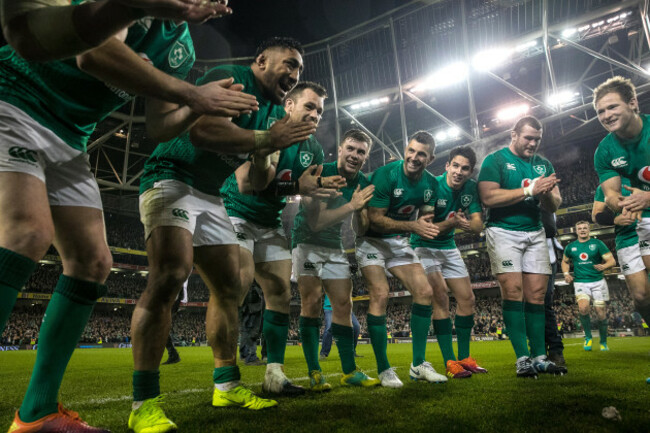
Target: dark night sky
<point>306,20</point>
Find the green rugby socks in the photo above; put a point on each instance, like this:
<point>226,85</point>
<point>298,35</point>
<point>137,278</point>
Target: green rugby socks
<point>309,331</point>
<point>276,331</point>
<point>442,328</point>
<point>464,325</point>
<point>379,340</point>
<point>515,321</point>
<point>344,337</point>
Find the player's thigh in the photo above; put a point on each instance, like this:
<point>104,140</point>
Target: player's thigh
<point>511,285</point>
<point>310,289</point>
<point>219,268</point>
<point>26,225</point>
<point>461,288</point>
<point>80,239</point>
<point>534,287</point>
<point>440,291</point>
<point>274,278</point>
<point>414,280</point>
<point>377,285</point>
<point>639,286</point>
<point>246,271</point>
<point>170,255</point>
<point>339,292</point>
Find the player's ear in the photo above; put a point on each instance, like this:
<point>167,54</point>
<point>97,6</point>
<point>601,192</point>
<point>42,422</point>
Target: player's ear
<point>261,61</point>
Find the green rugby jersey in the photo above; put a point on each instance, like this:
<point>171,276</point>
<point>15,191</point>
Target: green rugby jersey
<point>626,158</point>
<point>265,210</point>
<point>584,256</point>
<point>329,237</point>
<point>513,172</point>
<point>70,102</point>
<point>625,235</point>
<point>448,201</point>
<point>206,171</point>
<point>401,196</point>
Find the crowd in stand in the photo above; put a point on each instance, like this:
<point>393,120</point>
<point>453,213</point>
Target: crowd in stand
<point>578,186</point>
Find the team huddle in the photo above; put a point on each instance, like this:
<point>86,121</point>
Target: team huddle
<point>232,148</point>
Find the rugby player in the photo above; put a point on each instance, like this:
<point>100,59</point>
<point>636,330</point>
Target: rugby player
<point>514,183</point>
<point>44,30</point>
<point>624,153</point>
<point>319,261</point>
<point>263,246</point>
<point>401,189</point>
<point>590,257</point>
<point>457,205</point>
<point>186,224</point>
<point>48,192</point>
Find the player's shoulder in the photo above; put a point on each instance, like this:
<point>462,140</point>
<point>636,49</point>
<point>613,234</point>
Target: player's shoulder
<point>239,73</point>
<point>330,169</point>
<point>312,143</point>
<point>471,185</point>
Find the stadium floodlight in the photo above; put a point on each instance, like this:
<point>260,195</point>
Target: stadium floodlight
<point>597,24</point>
<point>513,112</point>
<point>451,74</point>
<point>369,104</point>
<point>523,47</point>
<point>562,97</point>
<point>490,59</point>
<point>567,33</point>
<point>441,136</point>
<point>453,132</point>
<point>450,134</point>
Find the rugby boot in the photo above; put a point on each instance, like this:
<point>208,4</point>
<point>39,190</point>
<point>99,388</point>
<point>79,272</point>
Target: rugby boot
<point>525,367</point>
<point>456,371</point>
<point>241,397</point>
<point>63,421</point>
<point>426,372</point>
<point>359,378</point>
<point>470,364</point>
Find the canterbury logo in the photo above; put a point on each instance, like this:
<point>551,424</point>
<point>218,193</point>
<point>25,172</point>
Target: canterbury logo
<point>180,213</point>
<point>506,263</point>
<point>309,266</point>
<point>23,153</point>
<point>372,256</point>
<point>619,162</point>
<point>241,236</point>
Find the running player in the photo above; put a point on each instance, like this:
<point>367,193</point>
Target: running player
<point>186,223</point>
<point>457,206</point>
<point>319,261</point>
<point>624,153</point>
<point>514,183</point>
<point>401,189</point>
<point>590,257</point>
<point>42,30</point>
<point>49,195</point>
<point>263,246</point>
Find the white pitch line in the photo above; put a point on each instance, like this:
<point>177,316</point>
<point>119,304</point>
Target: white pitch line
<point>96,401</point>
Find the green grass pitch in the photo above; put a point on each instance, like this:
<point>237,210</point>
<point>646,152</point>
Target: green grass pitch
<point>98,385</point>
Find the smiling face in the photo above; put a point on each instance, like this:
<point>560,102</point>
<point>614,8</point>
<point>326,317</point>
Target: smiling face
<point>417,157</point>
<point>280,70</point>
<point>616,115</point>
<point>582,230</point>
<point>525,143</point>
<point>305,106</point>
<point>352,156</point>
<point>458,170</point>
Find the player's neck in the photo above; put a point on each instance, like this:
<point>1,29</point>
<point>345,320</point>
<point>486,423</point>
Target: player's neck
<point>583,240</point>
<point>455,188</point>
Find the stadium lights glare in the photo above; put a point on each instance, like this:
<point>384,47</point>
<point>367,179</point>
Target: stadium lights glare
<point>447,76</point>
<point>447,135</point>
<point>525,46</point>
<point>513,112</point>
<point>567,33</point>
<point>370,104</point>
<point>490,59</point>
<point>563,97</point>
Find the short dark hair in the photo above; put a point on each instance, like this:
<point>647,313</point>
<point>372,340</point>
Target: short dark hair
<point>617,84</point>
<point>531,121</point>
<point>279,42</point>
<point>466,152</point>
<point>301,86</point>
<point>424,137</point>
<point>357,135</point>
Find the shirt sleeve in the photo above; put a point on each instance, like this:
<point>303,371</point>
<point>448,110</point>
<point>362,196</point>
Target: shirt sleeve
<point>489,171</point>
<point>599,196</point>
<point>602,248</point>
<point>602,164</point>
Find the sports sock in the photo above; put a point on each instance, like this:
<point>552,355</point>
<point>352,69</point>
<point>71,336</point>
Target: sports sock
<point>226,378</point>
<point>464,325</point>
<point>276,331</point>
<point>344,337</point>
<point>64,321</point>
<point>420,324</point>
<point>309,330</point>
<point>602,330</point>
<point>171,350</point>
<point>535,328</point>
<point>146,385</point>
<point>586,325</point>
<point>15,270</point>
<point>515,321</point>
<point>442,328</point>
<point>379,340</point>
